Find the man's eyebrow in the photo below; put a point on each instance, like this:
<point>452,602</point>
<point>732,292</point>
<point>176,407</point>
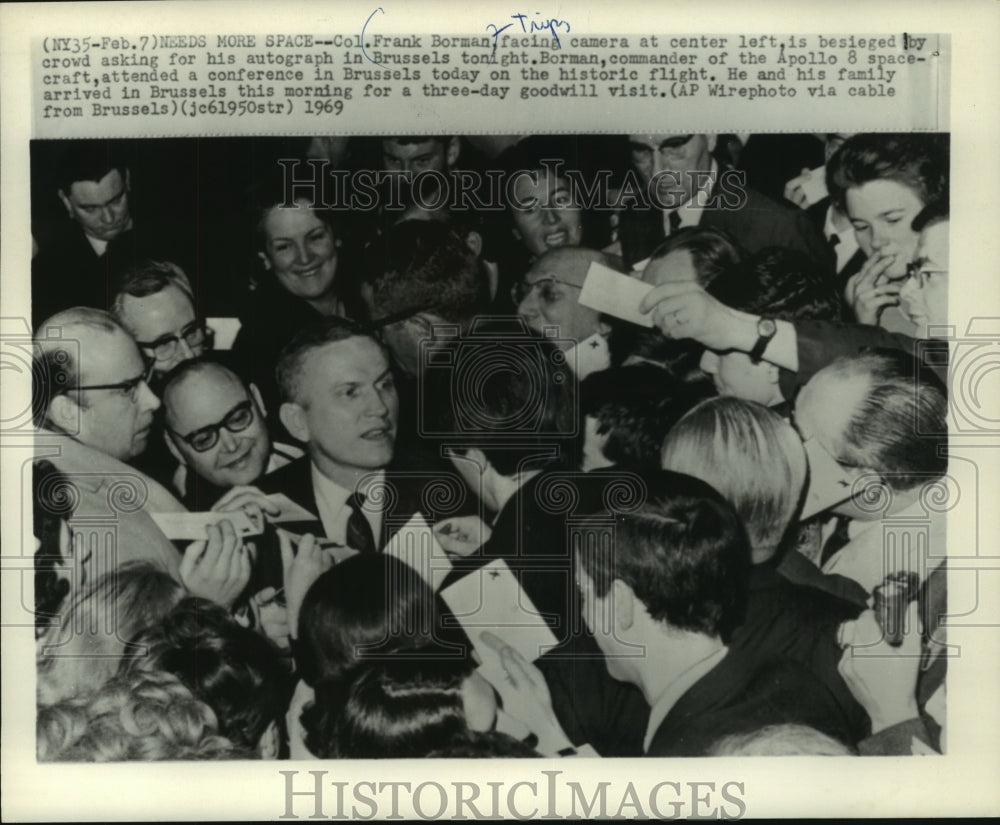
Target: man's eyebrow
<point>112,199</point>
<point>635,144</point>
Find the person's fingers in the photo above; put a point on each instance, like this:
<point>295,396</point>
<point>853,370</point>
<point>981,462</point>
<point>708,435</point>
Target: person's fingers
<point>285,548</point>
<point>666,291</point>
<point>192,555</point>
<point>239,496</point>
<point>912,639</point>
<point>491,640</point>
<point>307,545</point>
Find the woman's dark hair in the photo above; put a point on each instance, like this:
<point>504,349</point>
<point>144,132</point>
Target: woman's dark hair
<point>404,707</point>
<point>54,500</point>
<point>917,161</point>
<point>229,667</point>
<point>367,607</point>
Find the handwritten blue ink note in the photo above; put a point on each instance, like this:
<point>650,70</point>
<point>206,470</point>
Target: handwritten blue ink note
<point>529,25</point>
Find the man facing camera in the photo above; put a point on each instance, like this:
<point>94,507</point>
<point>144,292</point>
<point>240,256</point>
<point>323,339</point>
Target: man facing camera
<point>216,429</point>
<point>340,400</point>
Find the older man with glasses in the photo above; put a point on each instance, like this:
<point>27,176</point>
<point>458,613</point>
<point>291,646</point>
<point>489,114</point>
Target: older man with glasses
<point>93,408</point>
<point>155,304</point>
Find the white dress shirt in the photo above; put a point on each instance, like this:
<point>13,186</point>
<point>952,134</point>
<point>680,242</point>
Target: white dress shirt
<point>331,501</point>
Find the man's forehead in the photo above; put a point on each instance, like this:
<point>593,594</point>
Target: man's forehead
<point>106,356</point>
<point>171,299</point>
<point>826,403</point>
<point>96,193</point>
<point>203,397</point>
<point>352,359</point>
<point>563,264</point>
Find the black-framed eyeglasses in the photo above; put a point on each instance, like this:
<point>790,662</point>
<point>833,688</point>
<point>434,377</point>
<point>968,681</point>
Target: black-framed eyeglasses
<point>236,420</point>
<point>918,270</point>
<point>197,334</point>
<point>546,289</point>
<point>129,387</point>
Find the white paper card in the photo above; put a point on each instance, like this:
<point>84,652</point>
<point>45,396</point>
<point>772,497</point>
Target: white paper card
<point>491,599</point>
<point>290,511</point>
<point>192,525</point>
<point>615,294</point>
<point>416,545</point>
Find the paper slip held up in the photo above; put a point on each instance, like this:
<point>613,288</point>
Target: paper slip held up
<point>492,599</point>
<point>192,525</point>
<point>416,545</point>
<point>615,294</point>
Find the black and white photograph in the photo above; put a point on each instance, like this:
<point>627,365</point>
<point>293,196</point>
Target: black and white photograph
<point>631,442</point>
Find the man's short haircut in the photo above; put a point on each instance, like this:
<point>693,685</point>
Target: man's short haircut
<point>917,161</point>
<point>229,667</point>
<point>748,453</point>
<point>779,283</point>
<point>935,212</point>
<point>150,278</point>
<point>900,427</point>
<point>144,717</point>
<point>683,552</point>
<point>88,160</point>
<point>780,740</point>
<point>424,266</point>
<point>55,368</point>
<point>713,251</point>
<point>312,337</point>
<point>408,139</point>
<point>636,406</point>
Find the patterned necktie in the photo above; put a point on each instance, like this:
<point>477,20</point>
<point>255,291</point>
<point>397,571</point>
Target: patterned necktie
<point>359,531</point>
<point>839,538</point>
<point>674,220</point>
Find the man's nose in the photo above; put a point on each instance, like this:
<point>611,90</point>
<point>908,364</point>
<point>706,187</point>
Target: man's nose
<point>227,440</point>
<point>550,216</point>
<point>107,215</point>
<point>147,398</point>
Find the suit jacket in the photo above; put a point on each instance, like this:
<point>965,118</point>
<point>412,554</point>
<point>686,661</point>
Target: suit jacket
<point>744,693</point>
<point>435,495</point>
<point>759,223</point>
<point>820,342</point>
<point>113,500</point>
<point>68,273</point>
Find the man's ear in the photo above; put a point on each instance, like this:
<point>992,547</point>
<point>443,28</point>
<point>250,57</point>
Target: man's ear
<point>711,139</point>
<point>64,413</point>
<point>772,372</point>
<point>624,604</point>
<point>264,260</point>
<point>294,419</point>
<point>174,451</point>
<point>256,396</point>
<point>474,241</point>
<point>452,150</point>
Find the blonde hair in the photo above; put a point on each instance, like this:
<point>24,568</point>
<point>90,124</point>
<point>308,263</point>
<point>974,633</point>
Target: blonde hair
<point>750,455</point>
<point>83,650</point>
<point>137,716</point>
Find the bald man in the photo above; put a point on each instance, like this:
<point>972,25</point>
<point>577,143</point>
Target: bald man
<point>216,429</point>
<point>548,298</point>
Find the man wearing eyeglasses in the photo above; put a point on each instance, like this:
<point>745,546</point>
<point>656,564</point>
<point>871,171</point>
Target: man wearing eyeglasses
<point>548,298</point>
<point>155,303</point>
<point>216,429</point>
<point>680,184</point>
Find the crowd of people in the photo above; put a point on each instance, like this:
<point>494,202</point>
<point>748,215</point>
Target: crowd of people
<point>722,518</point>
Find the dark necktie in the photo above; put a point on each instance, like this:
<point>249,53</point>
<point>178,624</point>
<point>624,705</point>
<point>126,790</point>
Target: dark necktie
<point>833,240</point>
<point>359,531</point>
<point>839,538</point>
<point>674,220</point>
